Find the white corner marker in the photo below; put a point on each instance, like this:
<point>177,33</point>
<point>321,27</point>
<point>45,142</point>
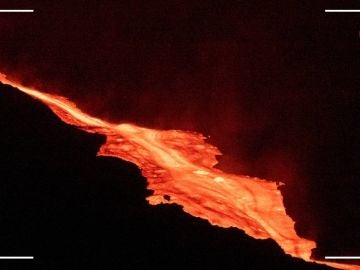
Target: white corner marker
<point>16,257</point>
<point>16,10</point>
<point>342,257</point>
<point>342,10</point>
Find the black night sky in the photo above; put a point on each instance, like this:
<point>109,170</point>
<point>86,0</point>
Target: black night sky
<point>274,84</point>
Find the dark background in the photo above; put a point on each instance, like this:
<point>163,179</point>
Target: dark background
<point>274,85</point>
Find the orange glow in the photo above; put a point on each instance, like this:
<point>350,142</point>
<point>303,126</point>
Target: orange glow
<point>180,164</point>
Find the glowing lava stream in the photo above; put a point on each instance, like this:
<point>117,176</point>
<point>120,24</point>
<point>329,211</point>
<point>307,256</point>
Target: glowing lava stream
<point>180,164</point>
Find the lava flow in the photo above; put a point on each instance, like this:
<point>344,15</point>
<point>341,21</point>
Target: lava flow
<point>179,167</point>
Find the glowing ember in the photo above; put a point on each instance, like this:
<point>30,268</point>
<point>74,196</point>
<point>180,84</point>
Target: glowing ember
<point>179,168</point>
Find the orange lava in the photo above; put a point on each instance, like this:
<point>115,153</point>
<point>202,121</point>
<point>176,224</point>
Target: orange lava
<point>180,164</point>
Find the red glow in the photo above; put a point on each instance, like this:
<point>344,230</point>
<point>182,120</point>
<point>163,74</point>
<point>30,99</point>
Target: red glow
<point>180,164</point>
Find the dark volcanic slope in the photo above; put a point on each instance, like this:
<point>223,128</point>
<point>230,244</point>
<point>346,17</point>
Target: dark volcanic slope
<point>73,210</point>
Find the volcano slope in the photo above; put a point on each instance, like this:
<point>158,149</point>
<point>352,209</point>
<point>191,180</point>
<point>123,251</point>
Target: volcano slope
<point>73,210</point>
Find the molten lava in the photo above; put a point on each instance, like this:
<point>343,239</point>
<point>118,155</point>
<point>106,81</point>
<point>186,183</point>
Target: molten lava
<point>179,167</point>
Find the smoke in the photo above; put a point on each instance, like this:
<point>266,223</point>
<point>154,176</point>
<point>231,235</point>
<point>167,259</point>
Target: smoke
<point>204,67</point>
<point>256,79</point>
